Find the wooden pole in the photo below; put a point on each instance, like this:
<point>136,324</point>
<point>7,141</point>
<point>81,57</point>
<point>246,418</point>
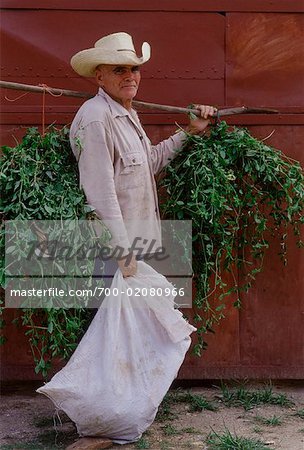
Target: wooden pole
<point>154,106</point>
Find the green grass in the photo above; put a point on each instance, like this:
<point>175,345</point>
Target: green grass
<point>41,422</point>
<point>170,430</point>
<point>142,443</point>
<point>186,444</point>
<point>300,413</point>
<point>228,441</point>
<point>190,430</point>
<point>195,401</point>
<point>165,412</point>
<point>248,399</point>
<point>164,445</point>
<point>257,429</point>
<point>199,403</point>
<point>273,421</point>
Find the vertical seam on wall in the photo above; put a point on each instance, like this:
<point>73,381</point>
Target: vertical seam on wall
<point>225,56</point>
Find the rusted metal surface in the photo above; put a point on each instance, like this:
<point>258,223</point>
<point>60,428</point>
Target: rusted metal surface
<point>219,52</point>
<point>265,59</point>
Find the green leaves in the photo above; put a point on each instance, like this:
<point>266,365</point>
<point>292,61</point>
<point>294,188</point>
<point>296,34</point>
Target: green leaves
<point>238,192</point>
<point>40,181</point>
<point>40,178</point>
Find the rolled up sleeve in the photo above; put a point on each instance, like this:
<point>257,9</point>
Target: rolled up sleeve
<point>165,151</point>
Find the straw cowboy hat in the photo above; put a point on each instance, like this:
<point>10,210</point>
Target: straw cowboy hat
<point>116,48</point>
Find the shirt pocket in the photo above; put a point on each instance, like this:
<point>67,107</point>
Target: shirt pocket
<point>132,174</point>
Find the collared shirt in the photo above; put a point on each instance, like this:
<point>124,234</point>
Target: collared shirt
<point>117,164</point>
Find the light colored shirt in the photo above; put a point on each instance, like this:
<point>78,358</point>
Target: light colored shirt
<point>117,164</point>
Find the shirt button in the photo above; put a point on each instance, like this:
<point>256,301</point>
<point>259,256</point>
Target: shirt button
<point>133,160</point>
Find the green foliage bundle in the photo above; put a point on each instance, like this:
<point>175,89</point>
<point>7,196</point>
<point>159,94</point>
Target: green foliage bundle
<point>39,179</point>
<point>235,189</point>
<point>238,192</point>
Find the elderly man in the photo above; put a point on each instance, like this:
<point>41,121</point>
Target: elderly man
<point>117,162</point>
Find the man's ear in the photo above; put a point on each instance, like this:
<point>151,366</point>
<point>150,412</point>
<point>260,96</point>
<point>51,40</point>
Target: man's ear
<point>99,76</point>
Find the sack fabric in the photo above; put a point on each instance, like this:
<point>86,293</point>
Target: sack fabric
<point>126,361</point>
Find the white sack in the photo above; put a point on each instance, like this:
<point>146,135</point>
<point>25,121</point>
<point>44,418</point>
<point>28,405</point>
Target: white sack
<point>125,363</point>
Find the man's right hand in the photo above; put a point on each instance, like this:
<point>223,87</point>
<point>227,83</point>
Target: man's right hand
<point>128,266</point>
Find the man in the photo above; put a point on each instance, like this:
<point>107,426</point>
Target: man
<point>117,162</point>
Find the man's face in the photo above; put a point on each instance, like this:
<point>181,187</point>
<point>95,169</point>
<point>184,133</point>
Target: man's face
<point>120,82</point>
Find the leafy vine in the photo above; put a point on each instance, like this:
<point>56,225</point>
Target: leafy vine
<point>40,181</point>
<point>238,192</point>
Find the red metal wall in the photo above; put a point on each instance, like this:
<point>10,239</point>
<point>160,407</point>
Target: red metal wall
<point>219,52</point>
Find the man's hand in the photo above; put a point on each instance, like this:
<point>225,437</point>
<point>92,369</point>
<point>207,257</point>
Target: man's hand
<point>200,123</point>
<point>128,265</point>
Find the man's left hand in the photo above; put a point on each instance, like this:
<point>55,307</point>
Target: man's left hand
<point>200,123</point>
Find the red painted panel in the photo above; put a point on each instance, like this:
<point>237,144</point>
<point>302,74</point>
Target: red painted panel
<point>160,5</point>
<point>182,92</point>
<point>273,317</point>
<point>16,345</point>
<point>40,35</point>
<point>271,322</point>
<point>174,75</point>
<point>270,337</point>
<point>188,65</point>
<point>265,59</point>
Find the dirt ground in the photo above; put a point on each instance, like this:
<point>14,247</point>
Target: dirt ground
<point>27,420</point>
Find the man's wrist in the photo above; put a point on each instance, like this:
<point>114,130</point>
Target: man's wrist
<point>193,130</point>
<point>126,259</point>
